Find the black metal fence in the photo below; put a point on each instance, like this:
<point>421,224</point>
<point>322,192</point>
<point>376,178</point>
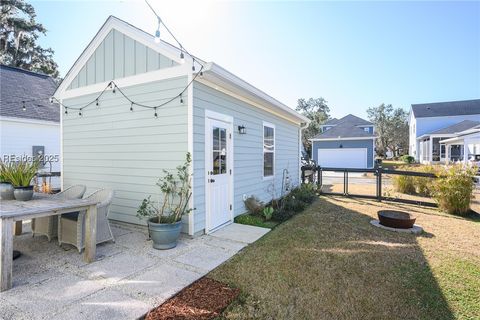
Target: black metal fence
<point>316,175</point>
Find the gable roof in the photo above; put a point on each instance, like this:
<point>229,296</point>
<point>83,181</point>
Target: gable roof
<point>445,109</point>
<point>212,72</point>
<point>19,85</point>
<point>332,121</point>
<point>347,127</point>
<point>458,127</point>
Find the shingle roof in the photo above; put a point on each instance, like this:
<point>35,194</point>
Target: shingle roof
<point>347,127</point>
<point>458,127</point>
<point>332,121</point>
<point>442,109</point>
<point>17,85</point>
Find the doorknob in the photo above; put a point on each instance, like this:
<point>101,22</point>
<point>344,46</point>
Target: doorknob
<point>212,180</point>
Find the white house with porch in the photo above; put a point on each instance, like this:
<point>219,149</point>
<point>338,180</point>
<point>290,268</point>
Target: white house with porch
<point>468,142</point>
<point>431,123</point>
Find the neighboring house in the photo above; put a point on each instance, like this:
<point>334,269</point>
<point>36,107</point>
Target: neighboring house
<point>29,123</point>
<point>431,123</point>
<point>348,142</point>
<point>241,140</point>
<point>464,146</point>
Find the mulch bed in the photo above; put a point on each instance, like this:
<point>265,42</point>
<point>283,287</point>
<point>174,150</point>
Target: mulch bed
<point>202,300</point>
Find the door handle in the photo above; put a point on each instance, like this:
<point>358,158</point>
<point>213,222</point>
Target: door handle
<point>212,180</point>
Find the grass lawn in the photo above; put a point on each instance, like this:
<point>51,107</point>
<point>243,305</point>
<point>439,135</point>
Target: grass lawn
<point>330,263</point>
<point>395,164</point>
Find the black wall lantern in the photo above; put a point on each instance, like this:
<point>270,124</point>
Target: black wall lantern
<point>242,129</point>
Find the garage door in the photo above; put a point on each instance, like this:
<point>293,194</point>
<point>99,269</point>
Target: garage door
<point>343,157</point>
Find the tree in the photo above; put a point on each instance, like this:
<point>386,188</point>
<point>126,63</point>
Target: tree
<point>391,126</point>
<point>317,111</point>
<point>19,32</point>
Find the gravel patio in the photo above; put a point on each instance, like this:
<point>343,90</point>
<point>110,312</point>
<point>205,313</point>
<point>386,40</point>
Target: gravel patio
<point>128,279</point>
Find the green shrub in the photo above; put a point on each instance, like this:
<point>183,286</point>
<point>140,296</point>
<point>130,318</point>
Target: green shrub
<point>281,215</point>
<point>267,213</point>
<point>305,193</point>
<point>453,190</point>
<point>407,159</point>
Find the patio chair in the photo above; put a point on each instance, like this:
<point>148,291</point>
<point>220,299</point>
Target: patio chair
<point>48,226</point>
<point>71,226</point>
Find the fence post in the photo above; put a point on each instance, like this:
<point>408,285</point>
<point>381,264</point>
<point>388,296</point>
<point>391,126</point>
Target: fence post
<point>346,182</point>
<point>319,179</point>
<point>379,181</point>
<point>303,174</point>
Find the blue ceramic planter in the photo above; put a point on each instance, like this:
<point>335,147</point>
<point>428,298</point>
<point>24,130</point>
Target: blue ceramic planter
<point>164,235</point>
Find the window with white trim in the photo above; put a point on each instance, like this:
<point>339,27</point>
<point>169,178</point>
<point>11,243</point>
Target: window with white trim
<point>268,149</point>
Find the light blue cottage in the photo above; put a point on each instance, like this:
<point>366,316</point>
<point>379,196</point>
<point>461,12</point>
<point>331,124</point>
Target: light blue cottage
<point>242,141</point>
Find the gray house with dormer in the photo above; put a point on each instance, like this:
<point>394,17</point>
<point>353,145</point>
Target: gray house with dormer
<point>348,142</point>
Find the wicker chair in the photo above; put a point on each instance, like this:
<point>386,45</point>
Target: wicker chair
<point>71,226</point>
<point>48,226</point>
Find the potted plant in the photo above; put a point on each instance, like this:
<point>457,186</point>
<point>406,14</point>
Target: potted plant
<point>20,175</point>
<point>165,216</point>
<point>6,188</point>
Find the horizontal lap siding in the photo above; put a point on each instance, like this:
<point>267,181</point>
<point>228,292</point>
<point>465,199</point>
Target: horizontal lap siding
<point>248,149</point>
<point>112,147</point>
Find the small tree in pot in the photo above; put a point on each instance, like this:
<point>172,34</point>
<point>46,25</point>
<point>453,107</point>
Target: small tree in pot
<point>165,217</point>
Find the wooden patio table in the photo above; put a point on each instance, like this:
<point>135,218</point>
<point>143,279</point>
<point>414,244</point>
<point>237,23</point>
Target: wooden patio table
<point>41,206</point>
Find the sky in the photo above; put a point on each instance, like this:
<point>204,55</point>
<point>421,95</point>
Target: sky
<point>356,55</point>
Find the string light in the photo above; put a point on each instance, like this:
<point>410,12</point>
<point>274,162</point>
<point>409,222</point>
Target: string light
<point>157,33</point>
<point>182,56</point>
<point>97,103</point>
<point>193,65</point>
<point>80,112</point>
<point>51,100</point>
<point>66,110</point>
<point>131,107</point>
<point>24,108</point>
<point>156,115</point>
<point>181,98</point>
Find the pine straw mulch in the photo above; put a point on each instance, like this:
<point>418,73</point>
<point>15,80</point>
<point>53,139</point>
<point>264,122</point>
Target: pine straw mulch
<point>202,300</point>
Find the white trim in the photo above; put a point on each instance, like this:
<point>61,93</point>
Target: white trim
<point>269,125</point>
<point>191,215</point>
<point>215,86</point>
<point>125,28</point>
<point>218,116</point>
<point>157,75</point>
<point>230,136</point>
<point>62,176</point>
<point>340,138</point>
<point>32,121</point>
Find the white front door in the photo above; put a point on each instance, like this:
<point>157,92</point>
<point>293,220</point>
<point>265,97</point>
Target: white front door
<point>219,171</point>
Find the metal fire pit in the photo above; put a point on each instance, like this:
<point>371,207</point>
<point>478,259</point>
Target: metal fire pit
<point>396,219</point>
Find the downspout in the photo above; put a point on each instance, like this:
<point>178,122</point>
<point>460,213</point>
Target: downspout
<point>303,126</point>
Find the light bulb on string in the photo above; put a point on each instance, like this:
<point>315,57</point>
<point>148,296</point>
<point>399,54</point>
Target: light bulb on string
<point>51,100</point>
<point>131,107</point>
<point>80,112</point>
<point>24,108</point>
<point>181,98</point>
<point>156,115</point>
<point>157,32</point>
<point>97,103</point>
<point>66,110</point>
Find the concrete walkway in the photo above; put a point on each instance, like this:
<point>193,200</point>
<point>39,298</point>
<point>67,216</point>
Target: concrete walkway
<point>129,278</point>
